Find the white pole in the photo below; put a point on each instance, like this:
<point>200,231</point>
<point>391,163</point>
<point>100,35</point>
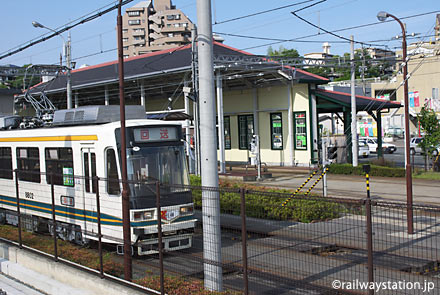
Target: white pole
<point>106,96</point>
<point>208,151</point>
<point>354,142</point>
<point>143,99</point>
<point>221,124</point>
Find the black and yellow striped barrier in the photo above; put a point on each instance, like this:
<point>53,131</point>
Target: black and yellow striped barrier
<point>318,180</point>
<point>298,189</point>
<point>366,169</point>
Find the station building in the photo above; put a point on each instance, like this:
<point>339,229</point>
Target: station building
<point>255,96</point>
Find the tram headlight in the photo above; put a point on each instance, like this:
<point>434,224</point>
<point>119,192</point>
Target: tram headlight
<point>143,215</point>
<point>186,210</point>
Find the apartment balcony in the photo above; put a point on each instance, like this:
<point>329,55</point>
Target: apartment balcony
<point>173,29</point>
<point>156,29</point>
<point>177,39</point>
<point>138,32</point>
<point>139,42</point>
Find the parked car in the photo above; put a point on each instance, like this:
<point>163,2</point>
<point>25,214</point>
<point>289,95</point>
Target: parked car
<point>396,132</point>
<point>414,147</point>
<point>364,150</point>
<point>388,148</point>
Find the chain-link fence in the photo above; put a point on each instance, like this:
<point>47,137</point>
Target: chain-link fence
<point>251,242</point>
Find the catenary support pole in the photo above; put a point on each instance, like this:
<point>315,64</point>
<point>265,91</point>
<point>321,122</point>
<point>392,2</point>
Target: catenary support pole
<point>69,68</point>
<point>354,139</point>
<point>123,153</point>
<point>208,151</point>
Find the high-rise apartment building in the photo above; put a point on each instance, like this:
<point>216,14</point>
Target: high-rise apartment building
<point>152,26</point>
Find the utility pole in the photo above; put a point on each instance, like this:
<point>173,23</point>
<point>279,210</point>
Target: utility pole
<point>354,142</point>
<point>196,112</point>
<point>125,195</point>
<point>208,151</point>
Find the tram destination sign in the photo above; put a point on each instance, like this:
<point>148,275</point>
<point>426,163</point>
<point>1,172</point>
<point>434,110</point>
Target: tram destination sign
<point>150,134</point>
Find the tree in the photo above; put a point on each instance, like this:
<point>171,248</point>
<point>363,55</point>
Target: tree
<point>283,52</point>
<point>430,124</point>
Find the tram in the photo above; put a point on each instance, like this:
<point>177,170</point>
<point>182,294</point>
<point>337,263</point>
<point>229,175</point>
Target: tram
<point>82,144</point>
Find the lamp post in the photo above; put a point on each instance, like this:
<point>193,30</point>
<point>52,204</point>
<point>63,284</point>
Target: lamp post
<point>67,54</point>
<point>382,16</point>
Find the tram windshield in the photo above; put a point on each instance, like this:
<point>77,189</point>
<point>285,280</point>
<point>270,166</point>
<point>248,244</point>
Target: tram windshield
<point>147,165</point>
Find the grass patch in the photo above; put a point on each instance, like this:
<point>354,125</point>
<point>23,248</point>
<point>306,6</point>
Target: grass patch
<point>430,175</point>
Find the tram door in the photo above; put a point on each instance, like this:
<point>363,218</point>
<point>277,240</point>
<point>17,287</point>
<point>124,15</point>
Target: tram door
<point>89,186</point>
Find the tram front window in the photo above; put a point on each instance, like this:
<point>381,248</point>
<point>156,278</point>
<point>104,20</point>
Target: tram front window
<point>147,165</point>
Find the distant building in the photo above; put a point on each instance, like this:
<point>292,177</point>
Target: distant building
<point>321,55</point>
<point>149,27</point>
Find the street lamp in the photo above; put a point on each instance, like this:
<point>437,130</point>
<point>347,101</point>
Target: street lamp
<point>68,62</point>
<point>382,16</point>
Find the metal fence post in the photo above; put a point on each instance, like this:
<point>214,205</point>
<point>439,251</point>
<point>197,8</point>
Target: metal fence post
<point>244,240</point>
<point>17,191</point>
<point>159,238</point>
<point>369,226</point>
<point>54,222</point>
<point>98,215</point>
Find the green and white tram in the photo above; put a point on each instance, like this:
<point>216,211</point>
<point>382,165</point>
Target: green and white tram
<point>84,143</point>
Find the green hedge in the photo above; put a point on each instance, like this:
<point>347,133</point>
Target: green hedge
<point>268,206</point>
<point>348,169</point>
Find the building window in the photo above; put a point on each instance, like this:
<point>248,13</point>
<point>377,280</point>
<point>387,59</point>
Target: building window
<point>132,22</point>
<point>125,56</point>
<point>177,16</point>
<point>28,164</point>
<point>124,39</point>
<point>112,173</point>
<point>245,131</point>
<point>134,13</point>
<point>170,17</point>
<point>124,30</point>
<point>176,25</point>
<point>170,34</point>
<point>185,25</point>
<point>59,161</point>
<point>300,128</point>
<point>125,47</point>
<point>6,162</point>
<point>276,131</point>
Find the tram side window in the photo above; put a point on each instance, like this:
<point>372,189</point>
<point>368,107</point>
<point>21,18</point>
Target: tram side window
<point>112,173</point>
<point>89,176</point>
<point>59,161</point>
<point>6,162</point>
<point>28,164</point>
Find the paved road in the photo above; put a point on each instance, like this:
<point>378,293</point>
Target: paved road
<point>347,186</point>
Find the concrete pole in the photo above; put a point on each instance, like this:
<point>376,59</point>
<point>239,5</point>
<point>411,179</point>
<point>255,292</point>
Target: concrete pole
<point>354,142</point>
<point>290,125</point>
<point>76,100</point>
<point>208,151</point>
<point>106,96</point>
<point>221,124</point>
<point>143,98</point>
<point>69,65</point>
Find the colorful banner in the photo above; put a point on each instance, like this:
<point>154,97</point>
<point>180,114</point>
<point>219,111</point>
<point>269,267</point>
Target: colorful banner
<point>411,99</point>
<point>416,99</point>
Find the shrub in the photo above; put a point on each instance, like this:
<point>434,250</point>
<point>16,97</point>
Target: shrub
<point>348,169</point>
<point>261,204</point>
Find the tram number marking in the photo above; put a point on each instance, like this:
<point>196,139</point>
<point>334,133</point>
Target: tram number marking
<point>29,195</point>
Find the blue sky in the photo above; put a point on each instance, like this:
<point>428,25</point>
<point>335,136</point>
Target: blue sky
<point>89,40</point>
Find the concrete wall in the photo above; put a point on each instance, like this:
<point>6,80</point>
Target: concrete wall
<point>56,278</point>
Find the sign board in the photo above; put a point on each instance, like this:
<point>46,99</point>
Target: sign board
<point>155,134</point>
